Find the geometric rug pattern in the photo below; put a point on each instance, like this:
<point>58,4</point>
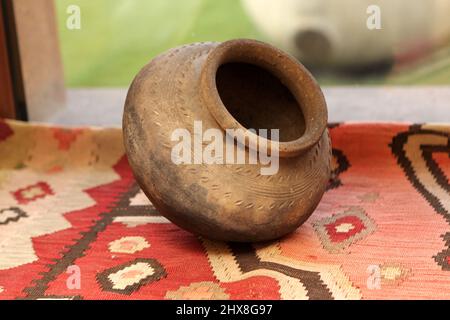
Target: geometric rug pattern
<point>75,225</point>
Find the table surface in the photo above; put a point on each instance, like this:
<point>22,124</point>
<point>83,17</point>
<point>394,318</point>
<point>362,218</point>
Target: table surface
<point>103,107</point>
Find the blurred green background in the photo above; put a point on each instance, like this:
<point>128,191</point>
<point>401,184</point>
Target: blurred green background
<point>118,37</point>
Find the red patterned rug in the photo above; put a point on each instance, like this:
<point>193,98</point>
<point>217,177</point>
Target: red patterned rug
<point>74,224</point>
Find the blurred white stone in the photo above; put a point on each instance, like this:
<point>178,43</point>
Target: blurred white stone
<point>331,32</point>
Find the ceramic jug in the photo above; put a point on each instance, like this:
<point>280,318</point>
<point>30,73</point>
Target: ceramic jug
<point>211,89</point>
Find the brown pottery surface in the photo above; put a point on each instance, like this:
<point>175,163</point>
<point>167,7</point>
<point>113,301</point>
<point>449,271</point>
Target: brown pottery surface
<point>238,84</point>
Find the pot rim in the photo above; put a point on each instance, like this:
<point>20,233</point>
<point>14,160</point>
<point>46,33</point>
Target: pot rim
<point>288,70</point>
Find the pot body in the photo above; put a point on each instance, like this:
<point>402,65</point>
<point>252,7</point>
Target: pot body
<point>229,202</point>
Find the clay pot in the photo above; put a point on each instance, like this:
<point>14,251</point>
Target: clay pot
<point>238,84</point>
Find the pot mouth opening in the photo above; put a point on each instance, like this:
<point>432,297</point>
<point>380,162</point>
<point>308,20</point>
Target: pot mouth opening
<point>259,100</point>
<point>247,84</point>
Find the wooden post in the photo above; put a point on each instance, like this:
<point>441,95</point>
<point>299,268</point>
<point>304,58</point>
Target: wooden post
<point>7,100</point>
<point>34,58</point>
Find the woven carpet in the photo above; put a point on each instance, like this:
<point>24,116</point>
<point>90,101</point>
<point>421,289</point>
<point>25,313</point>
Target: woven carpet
<point>74,224</point>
